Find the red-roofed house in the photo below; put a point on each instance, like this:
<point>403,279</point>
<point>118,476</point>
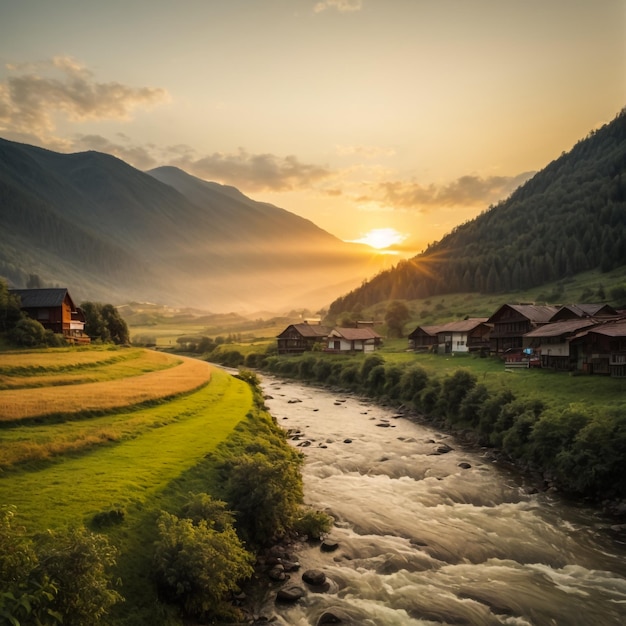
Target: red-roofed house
<point>470,335</point>
<point>353,340</point>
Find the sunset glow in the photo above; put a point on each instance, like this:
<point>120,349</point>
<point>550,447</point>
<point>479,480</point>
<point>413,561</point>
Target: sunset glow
<point>381,238</point>
<point>398,116</point>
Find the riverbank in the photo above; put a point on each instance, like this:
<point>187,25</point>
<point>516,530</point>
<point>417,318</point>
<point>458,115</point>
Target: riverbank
<point>427,529</point>
<point>576,446</point>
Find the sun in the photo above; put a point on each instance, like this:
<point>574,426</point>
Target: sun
<point>381,238</point>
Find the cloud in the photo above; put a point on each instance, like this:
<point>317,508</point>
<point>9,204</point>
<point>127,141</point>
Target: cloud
<point>141,157</point>
<point>465,191</point>
<point>254,172</point>
<point>32,93</point>
<point>343,6</point>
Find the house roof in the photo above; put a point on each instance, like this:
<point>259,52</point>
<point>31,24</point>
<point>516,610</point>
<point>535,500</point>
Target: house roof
<point>310,331</point>
<point>611,329</point>
<point>40,298</point>
<point>537,313</point>
<point>586,310</point>
<point>355,334</point>
<point>566,327</point>
<point>462,326</point>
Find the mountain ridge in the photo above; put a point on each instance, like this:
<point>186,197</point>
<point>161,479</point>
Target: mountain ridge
<point>109,231</point>
<point>569,218</point>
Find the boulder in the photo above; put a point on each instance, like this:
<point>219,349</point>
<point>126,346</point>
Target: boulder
<point>290,594</point>
<point>329,617</point>
<point>315,577</point>
<point>464,465</point>
<point>328,545</point>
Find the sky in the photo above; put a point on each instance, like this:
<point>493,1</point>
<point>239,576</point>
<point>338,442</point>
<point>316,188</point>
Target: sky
<point>385,121</point>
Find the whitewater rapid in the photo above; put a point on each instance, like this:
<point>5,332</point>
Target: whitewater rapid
<point>430,533</point>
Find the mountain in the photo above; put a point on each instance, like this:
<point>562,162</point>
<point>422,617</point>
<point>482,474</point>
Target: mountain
<point>569,218</point>
<point>108,231</point>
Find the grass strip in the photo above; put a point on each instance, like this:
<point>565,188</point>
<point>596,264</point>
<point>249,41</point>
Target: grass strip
<point>18,404</point>
<point>112,369</point>
<point>135,471</point>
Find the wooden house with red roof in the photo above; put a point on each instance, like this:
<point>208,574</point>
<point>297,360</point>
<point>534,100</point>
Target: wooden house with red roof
<point>470,335</point>
<point>353,340</point>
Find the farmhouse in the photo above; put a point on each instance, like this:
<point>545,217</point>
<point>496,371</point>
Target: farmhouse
<point>353,340</point>
<point>552,342</point>
<point>470,335</point>
<point>55,310</point>
<point>602,349</point>
<point>512,321</point>
<point>298,338</point>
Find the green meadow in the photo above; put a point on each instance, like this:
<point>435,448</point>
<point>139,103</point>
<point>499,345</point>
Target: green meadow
<point>137,461</point>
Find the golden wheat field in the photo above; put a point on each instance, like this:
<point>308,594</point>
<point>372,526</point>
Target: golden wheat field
<point>137,377</point>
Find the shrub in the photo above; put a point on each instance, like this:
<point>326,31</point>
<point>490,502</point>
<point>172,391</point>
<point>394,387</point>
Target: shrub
<point>111,517</point>
<point>77,562</point>
<point>471,405</point>
<point>28,333</point>
<point>369,363</point>
<point>265,494</point>
<point>413,380</point>
<point>197,565</point>
<point>454,390</point>
<point>313,524</point>
<point>375,382</point>
<point>322,370</point>
<point>306,367</point>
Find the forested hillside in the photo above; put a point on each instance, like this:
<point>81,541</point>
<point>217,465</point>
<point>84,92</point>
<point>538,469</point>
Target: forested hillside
<point>108,231</point>
<point>569,218</point>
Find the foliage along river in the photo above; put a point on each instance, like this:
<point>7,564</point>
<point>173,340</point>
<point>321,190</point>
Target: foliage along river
<point>438,538</point>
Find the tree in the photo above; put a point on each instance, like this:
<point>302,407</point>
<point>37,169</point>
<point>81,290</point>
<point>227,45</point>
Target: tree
<point>197,565</point>
<point>396,316</point>
<point>10,311</point>
<point>103,322</point>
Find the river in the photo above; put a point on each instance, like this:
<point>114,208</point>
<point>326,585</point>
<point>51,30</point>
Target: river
<point>431,533</point>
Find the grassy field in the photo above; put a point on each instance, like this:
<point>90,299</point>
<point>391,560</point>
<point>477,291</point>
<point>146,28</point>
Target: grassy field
<point>118,383</point>
<point>139,460</point>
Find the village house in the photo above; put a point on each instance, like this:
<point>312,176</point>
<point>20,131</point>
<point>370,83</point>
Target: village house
<point>470,335</point>
<point>601,349</point>
<point>299,338</point>
<point>512,321</point>
<point>55,310</point>
<point>353,340</point>
<point>553,342</point>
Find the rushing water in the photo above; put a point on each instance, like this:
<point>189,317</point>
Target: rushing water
<point>433,537</point>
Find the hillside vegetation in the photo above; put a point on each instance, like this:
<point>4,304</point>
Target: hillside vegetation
<point>569,218</point>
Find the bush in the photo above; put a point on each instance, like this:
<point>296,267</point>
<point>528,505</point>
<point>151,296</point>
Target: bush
<point>413,380</point>
<point>454,390</point>
<point>313,524</point>
<point>197,565</point>
<point>265,493</point>
<point>28,333</point>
